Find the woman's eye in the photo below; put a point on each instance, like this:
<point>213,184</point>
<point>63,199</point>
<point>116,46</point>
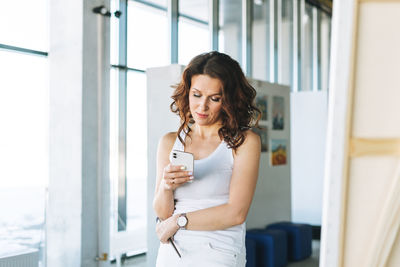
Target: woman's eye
<point>196,95</point>
<point>216,99</point>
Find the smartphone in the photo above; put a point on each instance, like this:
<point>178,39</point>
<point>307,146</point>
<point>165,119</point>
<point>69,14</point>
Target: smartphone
<point>186,159</point>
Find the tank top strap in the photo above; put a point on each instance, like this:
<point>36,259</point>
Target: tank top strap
<point>178,144</point>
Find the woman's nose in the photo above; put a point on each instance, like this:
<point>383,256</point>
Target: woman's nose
<point>204,104</point>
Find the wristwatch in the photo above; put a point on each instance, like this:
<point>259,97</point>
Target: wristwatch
<point>182,221</point>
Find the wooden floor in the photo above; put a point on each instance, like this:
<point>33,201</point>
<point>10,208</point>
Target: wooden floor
<point>313,261</point>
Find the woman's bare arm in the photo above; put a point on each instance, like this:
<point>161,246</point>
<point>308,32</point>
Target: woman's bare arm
<point>242,187</point>
<point>163,202</point>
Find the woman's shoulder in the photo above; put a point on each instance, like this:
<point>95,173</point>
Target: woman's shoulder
<point>251,141</point>
<point>251,144</point>
<point>166,143</point>
<point>251,136</point>
<point>168,139</point>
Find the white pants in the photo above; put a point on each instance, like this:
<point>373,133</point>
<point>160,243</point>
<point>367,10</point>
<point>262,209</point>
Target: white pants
<point>199,255</point>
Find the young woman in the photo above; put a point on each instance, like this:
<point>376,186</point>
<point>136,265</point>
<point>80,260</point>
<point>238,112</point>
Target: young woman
<point>206,217</point>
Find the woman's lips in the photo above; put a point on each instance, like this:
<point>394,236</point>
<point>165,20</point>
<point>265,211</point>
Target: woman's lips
<point>202,116</point>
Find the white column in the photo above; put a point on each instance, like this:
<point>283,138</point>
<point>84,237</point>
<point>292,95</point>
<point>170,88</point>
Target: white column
<point>77,214</point>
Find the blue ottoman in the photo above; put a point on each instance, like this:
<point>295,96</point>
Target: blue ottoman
<point>250,252</point>
<point>271,247</point>
<point>299,239</point>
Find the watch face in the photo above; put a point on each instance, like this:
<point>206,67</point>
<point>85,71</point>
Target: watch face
<point>182,221</point>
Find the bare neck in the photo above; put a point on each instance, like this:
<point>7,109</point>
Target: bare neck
<point>205,132</point>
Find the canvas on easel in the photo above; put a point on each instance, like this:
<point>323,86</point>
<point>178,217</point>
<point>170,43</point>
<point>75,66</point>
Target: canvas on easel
<point>361,217</point>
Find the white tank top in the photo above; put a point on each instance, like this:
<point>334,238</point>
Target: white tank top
<point>210,187</point>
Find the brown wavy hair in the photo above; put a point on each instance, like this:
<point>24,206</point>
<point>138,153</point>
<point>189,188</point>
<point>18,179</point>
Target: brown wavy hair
<point>238,112</point>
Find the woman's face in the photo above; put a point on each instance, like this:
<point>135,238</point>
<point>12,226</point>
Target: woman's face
<point>205,99</point>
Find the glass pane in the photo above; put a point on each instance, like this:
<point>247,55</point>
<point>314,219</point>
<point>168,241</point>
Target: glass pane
<point>285,45</point>
<point>136,160</point>
<point>197,9</point>
<point>307,50</point>
<point>230,28</point>
<point>23,151</point>
<point>325,39</point>
<point>114,123</point>
<point>261,40</point>
<point>193,38</point>
<point>24,23</point>
<point>147,46</point>
<point>161,3</point>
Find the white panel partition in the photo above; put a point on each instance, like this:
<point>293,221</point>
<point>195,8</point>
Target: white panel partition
<point>308,134</point>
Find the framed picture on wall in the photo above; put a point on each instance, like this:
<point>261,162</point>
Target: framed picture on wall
<point>263,133</point>
<point>278,108</point>
<point>278,152</point>
<point>262,104</point>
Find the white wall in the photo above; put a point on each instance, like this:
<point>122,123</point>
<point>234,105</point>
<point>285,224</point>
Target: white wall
<point>309,121</point>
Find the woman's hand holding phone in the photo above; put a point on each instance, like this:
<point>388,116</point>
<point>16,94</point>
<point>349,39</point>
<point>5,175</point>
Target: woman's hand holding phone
<point>175,176</point>
<point>179,171</point>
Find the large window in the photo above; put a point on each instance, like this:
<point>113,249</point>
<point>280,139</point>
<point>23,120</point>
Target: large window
<point>146,47</point>
<point>290,44</point>
<point>139,41</point>
<point>24,117</point>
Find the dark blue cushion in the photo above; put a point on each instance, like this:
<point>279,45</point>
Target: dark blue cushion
<point>271,247</point>
<point>299,239</point>
<point>250,252</point>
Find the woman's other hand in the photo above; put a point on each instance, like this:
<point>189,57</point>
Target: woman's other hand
<point>167,228</point>
<point>175,176</point>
